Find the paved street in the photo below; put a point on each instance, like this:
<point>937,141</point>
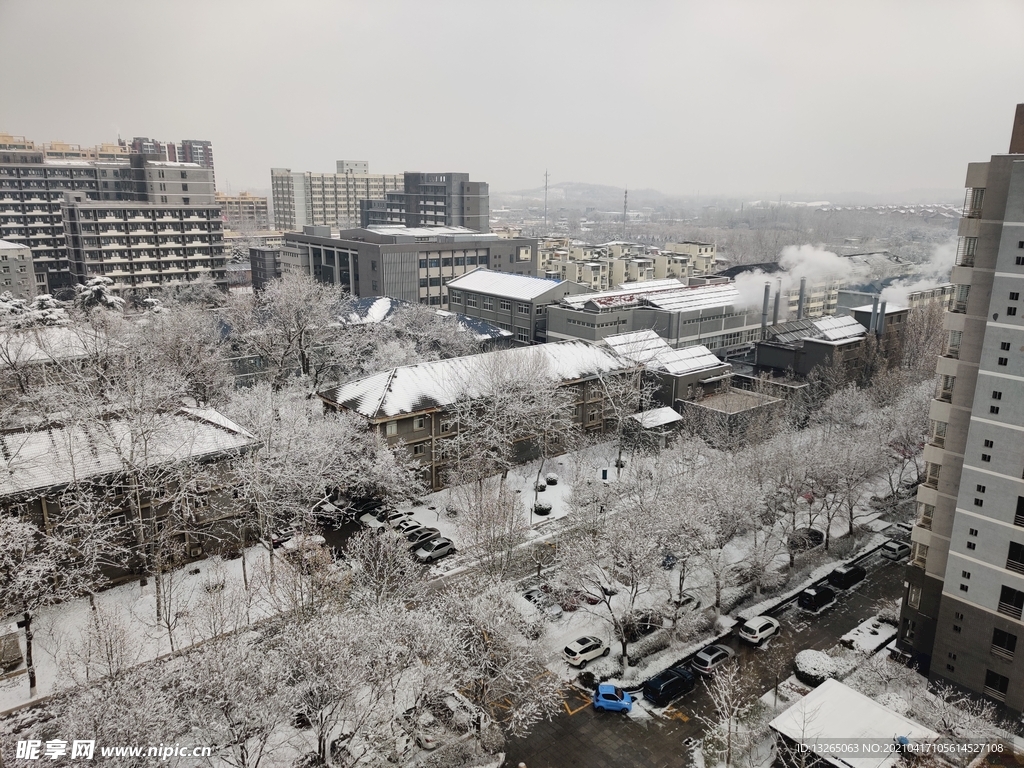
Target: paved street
<point>583,737</point>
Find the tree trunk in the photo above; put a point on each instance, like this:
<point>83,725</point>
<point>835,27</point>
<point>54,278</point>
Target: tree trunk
<point>30,665</point>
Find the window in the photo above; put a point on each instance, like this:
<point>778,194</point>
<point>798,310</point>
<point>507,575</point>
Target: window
<point>972,531</point>
<point>949,667</point>
<point>373,265</point>
<point>540,310</point>
<point>1015,558</point>
<point>184,175</point>
<point>994,409</point>
<point>423,263</point>
<point>958,616</point>
<point>522,334</point>
<point>470,300</point>
<point>951,656</point>
<point>965,574</point>
<point>488,303</point>
<point>1004,345</point>
<point>986,457</point>
<point>964,588</point>
<point>1020,259</point>
<point>419,422</point>
<point>980,489</point>
<point>435,282</point>
<point>1014,295</point>
<point>523,309</point>
<point>1011,311</point>
<point>391,428</point>
<point>956,628</point>
<point>456,296</point>
<point>446,426</point>
<point>433,262</point>
<point>505,304</point>
<point>1018,517</point>
<point>446,262</point>
<point>1003,643</point>
<point>185,201</point>
<point>419,450</point>
<point>972,545</point>
<point>423,282</point>
<point>184,187</point>
<point>979,502</point>
<point>989,444</point>
<point>373,286</point>
<point>1011,602</point>
<point>996,685</point>
<point>997,395</point>
<point>914,596</point>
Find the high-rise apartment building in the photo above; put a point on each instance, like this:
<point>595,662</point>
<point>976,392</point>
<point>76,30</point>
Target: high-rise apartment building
<point>431,200</point>
<point>244,211</point>
<point>16,276</point>
<point>326,199</point>
<point>34,180</point>
<point>962,610</point>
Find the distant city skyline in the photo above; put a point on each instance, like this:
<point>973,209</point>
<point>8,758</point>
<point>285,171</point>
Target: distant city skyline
<point>723,98</point>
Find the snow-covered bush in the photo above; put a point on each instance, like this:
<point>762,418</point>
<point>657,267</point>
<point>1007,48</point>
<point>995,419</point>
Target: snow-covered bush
<point>814,667</point>
<point>551,478</point>
<point>889,611</point>
<point>647,646</point>
<point>542,509</point>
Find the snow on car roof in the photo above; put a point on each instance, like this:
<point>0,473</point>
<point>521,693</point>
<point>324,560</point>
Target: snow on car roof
<point>521,287</point>
<point>823,716</point>
<point>431,385</point>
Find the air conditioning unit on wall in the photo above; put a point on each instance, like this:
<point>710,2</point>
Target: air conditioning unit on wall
<point>195,551</point>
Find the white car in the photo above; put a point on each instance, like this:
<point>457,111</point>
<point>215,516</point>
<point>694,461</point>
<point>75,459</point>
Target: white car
<point>543,603</point>
<point>408,525</point>
<point>711,658</point>
<point>759,629</point>
<point>433,550</point>
<point>580,651</point>
<point>895,550</point>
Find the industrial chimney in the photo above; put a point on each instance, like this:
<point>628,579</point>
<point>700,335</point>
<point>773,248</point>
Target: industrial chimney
<point>881,319</point>
<point>764,309</point>
<point>802,299</point>
<point>874,315</point>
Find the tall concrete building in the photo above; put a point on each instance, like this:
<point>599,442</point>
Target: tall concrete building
<point>431,200</point>
<point>16,276</point>
<point>244,211</point>
<point>326,199</point>
<point>962,610</point>
<point>198,151</point>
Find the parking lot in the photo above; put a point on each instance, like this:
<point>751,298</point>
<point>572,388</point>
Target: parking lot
<point>582,737</point>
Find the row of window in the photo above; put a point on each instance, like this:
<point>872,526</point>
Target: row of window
<point>459,261</point>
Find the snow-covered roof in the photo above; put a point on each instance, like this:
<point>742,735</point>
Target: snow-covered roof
<point>670,295</point>
<point>41,344</point>
<point>430,232</point>
<point>427,386</point>
<point>837,328</point>
<point>521,287</point>
<point>890,309</point>
<point>834,713</point>
<point>377,309</point>
<point>657,417</point>
<point>648,348</point>
<point>7,244</point>
<point>60,455</point>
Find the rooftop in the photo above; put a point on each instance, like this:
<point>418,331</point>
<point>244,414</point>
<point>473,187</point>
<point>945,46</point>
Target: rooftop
<point>7,244</point>
<point>656,417</point>
<point>648,348</point>
<point>734,401</point>
<point>522,287</point>
<point>31,461</point>
<point>376,309</point>
<point>669,294</point>
<point>428,386</point>
<point>824,715</point>
<point>829,328</point>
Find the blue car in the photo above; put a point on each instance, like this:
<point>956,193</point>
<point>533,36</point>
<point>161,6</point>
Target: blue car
<point>612,699</point>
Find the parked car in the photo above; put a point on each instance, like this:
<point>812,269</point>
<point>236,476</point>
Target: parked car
<point>845,576</point>
<point>421,536</point>
<point>280,537</point>
<point>670,684</point>
<point>580,651</point>
<point>611,699</point>
<point>543,603</point>
<point>434,549</point>
<point>816,599</point>
<point>408,525</point>
<point>803,539</point>
<point>640,624</point>
<point>895,550</point>
<point>375,520</point>
<point>759,629</point>
<point>711,658</point>
<point>394,517</point>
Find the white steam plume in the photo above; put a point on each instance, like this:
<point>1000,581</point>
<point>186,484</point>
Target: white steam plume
<point>933,273</point>
<point>797,261</point>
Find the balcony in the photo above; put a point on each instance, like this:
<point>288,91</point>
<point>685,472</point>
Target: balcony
<point>1001,653</point>
<point>924,522</point>
<point>1009,609</point>
<point>965,251</point>
<point>959,306</point>
<point>1015,566</point>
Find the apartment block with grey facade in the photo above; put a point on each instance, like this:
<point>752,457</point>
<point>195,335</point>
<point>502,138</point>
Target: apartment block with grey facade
<point>962,610</point>
<point>410,263</point>
<point>515,303</point>
<point>432,200</point>
<point>16,274</point>
<point>327,199</point>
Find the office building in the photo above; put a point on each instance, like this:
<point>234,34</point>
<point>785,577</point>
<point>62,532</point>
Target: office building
<point>264,264</point>
<point>244,211</point>
<point>962,609</point>
<point>409,263</point>
<point>326,199</point>
<point>431,200</point>
<point>515,303</point>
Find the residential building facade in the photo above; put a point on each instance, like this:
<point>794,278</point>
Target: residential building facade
<point>326,199</point>
<point>244,211</point>
<point>962,609</point>
<point>16,274</point>
<point>265,263</point>
<point>515,303</point>
<point>410,263</point>
<point>412,404</point>
<point>431,200</point>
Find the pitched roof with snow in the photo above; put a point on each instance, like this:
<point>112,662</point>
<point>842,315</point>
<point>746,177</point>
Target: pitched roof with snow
<point>377,309</point>
<point>670,295</point>
<point>32,461</point>
<point>648,348</point>
<point>830,328</point>
<point>427,386</point>
<point>521,287</point>
<point>46,343</point>
<point>656,417</point>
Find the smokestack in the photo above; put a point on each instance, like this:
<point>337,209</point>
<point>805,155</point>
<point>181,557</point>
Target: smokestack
<point>775,313</point>
<point>881,319</point>
<point>764,309</point>
<point>1017,136</point>
<point>874,315</point>
<point>803,297</point>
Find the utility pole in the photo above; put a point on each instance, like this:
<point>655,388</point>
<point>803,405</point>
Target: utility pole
<point>625,206</point>
<point>545,201</point>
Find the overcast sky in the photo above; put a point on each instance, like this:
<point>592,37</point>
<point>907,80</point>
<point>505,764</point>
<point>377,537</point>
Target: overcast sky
<point>754,98</point>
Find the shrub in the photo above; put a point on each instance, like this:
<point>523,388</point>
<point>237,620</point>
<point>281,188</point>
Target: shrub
<point>552,478</point>
<point>814,667</point>
<point>541,509</point>
<point>647,646</point>
<point>588,680</point>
